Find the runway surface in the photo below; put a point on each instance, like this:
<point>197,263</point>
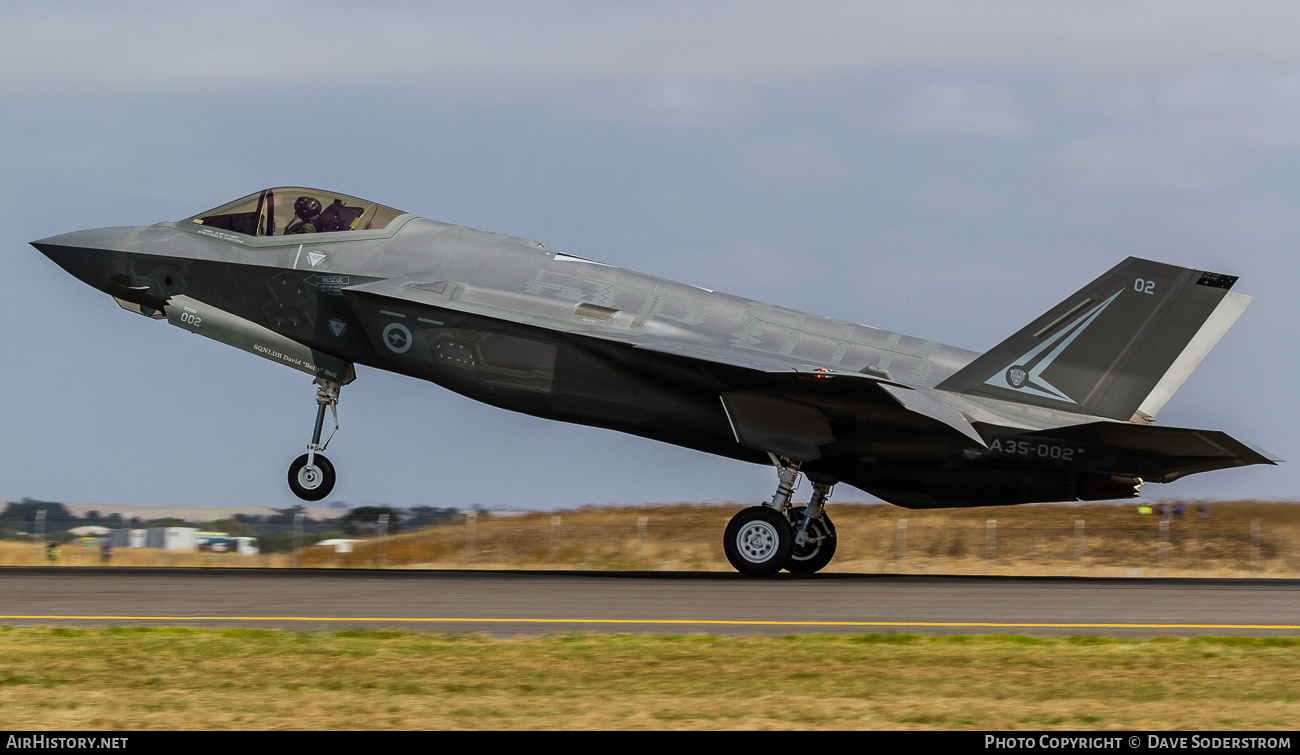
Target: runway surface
<point>511,603</point>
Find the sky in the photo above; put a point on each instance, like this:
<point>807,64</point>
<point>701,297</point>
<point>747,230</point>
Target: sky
<point>949,170</point>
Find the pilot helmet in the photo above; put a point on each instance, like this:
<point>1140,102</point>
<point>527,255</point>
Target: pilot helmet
<point>306,207</point>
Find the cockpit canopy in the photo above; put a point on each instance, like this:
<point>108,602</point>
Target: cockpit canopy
<point>290,211</point>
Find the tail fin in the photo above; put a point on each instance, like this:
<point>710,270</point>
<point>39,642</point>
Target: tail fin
<point>1117,348</point>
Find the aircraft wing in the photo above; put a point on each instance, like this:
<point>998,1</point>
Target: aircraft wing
<point>546,312</point>
<point>587,320</point>
<point>582,319</point>
<point>746,360</point>
<point>807,383</point>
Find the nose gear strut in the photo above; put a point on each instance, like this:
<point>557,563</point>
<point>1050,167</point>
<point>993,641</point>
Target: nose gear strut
<point>311,476</point>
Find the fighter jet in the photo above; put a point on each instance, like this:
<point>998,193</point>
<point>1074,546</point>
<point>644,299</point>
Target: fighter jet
<point>1060,411</point>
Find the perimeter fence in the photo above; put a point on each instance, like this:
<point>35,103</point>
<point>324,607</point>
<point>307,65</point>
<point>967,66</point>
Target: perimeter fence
<point>871,539</point>
<point>1236,539</point>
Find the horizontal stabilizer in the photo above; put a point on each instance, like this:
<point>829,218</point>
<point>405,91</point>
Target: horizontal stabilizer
<point>1167,453</point>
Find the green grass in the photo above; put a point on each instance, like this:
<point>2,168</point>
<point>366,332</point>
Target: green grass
<point>184,678</point>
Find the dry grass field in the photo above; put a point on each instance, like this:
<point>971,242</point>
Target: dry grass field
<point>1113,540</point>
<point>26,553</point>
<point>1240,538</point>
<point>124,678</point>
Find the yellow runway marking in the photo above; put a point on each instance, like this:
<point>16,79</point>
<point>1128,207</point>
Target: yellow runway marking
<point>669,622</point>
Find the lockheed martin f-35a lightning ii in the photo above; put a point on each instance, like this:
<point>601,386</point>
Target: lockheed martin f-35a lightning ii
<point>1060,411</point>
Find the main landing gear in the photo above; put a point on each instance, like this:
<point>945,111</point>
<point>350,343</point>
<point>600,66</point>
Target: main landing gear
<point>762,540</point>
<point>311,476</point>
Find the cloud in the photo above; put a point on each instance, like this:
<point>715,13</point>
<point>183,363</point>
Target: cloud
<point>1247,106</point>
<point>797,159</point>
<point>1131,165</point>
<point>486,49</point>
<point>949,108</point>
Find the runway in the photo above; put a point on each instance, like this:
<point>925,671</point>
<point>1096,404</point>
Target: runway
<point>509,603</point>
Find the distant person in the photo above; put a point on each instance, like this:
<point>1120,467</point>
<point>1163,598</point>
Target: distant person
<point>1203,510</point>
<point>1164,511</point>
<point>53,551</point>
<point>106,553</point>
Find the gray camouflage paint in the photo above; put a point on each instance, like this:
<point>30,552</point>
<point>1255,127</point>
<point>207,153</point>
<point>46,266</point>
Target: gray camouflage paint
<point>507,321</point>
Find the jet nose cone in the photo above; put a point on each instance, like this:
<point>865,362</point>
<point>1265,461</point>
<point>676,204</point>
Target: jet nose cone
<point>94,238</point>
<point>87,254</point>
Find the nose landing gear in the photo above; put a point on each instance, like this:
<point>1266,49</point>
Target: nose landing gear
<point>311,476</point>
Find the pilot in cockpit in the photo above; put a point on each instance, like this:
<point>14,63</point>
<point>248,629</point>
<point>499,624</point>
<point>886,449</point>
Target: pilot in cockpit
<point>305,210</point>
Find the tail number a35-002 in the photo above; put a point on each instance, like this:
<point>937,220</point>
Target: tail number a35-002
<point>1035,449</point>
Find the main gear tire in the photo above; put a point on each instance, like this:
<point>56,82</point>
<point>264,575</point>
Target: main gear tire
<point>311,482</point>
<point>819,548</point>
<point>758,541</point>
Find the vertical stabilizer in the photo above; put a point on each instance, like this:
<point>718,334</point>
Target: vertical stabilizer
<point>1117,348</point>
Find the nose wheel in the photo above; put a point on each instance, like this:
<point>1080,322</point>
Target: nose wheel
<point>311,476</point>
<point>311,479</point>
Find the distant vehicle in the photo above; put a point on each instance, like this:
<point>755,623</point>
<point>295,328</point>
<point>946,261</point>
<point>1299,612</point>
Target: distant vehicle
<point>1060,411</point>
<point>223,542</point>
<point>340,545</point>
<point>215,542</point>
